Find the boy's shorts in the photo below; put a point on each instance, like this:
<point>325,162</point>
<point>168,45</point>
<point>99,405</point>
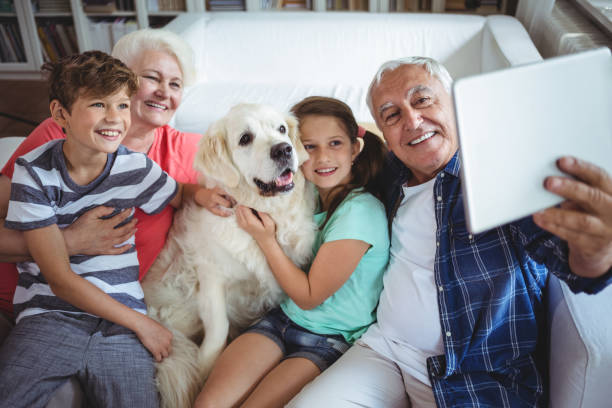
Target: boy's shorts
<point>296,341</point>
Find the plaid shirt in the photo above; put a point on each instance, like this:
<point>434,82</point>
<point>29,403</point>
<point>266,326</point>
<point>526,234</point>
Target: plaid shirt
<point>491,299</point>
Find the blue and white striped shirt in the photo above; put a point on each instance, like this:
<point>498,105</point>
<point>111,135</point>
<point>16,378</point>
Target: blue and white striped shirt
<point>42,194</point>
<point>490,297</point>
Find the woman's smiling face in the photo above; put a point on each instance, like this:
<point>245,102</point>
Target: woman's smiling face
<point>160,89</point>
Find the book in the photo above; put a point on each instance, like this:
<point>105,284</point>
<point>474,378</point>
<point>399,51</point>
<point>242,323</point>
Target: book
<point>74,44</point>
<point>12,31</point>
<point>60,29</point>
<point>55,39</point>
<point>99,6</point>
<point>8,47</point>
<point>44,40</point>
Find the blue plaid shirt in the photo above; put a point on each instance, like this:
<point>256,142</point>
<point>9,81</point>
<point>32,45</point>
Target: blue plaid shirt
<point>491,299</point>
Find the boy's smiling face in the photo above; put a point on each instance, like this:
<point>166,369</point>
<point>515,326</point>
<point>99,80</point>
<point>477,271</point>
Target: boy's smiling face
<point>95,124</point>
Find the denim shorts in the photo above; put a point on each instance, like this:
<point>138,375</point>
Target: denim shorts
<point>296,341</point>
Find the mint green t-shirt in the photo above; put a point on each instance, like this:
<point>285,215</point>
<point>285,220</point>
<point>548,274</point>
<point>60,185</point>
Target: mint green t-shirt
<point>351,309</point>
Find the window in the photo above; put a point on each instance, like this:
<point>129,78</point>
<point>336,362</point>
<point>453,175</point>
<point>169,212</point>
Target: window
<point>598,10</point>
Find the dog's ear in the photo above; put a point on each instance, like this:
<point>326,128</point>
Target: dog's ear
<point>294,135</point>
<point>213,158</point>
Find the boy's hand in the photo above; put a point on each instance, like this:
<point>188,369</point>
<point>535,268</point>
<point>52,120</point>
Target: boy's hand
<point>155,337</point>
<point>92,235</point>
<point>258,224</point>
<point>214,200</point>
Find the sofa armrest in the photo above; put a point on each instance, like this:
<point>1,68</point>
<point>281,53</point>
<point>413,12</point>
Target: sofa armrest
<point>580,347</point>
<point>506,44</point>
<point>8,145</point>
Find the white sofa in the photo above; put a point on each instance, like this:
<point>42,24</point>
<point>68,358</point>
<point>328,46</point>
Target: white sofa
<point>280,58</point>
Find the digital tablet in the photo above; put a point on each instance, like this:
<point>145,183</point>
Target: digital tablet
<point>514,124</point>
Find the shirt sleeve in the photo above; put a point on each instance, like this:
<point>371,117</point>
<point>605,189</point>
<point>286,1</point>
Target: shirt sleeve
<point>553,252</point>
<point>29,207</point>
<point>160,192</point>
<point>48,130</point>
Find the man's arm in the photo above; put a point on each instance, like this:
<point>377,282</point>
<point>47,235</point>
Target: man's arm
<point>49,251</point>
<point>585,219</point>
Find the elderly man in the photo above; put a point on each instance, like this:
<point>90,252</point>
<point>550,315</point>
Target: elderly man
<point>460,319</point>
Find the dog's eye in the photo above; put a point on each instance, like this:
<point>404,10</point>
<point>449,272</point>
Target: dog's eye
<point>282,129</point>
<point>245,139</point>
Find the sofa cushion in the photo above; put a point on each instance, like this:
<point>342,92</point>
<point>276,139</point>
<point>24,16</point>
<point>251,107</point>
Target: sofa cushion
<point>326,48</point>
<point>206,102</point>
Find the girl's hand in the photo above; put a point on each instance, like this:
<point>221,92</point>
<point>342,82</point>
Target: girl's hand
<point>92,235</point>
<point>258,224</point>
<point>155,337</point>
<point>215,200</point>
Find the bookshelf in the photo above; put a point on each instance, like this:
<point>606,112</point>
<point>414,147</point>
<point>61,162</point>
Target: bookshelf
<point>33,31</point>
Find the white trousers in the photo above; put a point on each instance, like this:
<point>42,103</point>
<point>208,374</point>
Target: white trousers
<point>364,378</point>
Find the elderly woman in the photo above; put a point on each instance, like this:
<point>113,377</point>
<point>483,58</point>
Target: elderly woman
<point>164,65</point>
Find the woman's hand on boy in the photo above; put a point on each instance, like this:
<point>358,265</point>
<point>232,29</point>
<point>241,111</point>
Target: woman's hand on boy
<point>215,200</point>
<point>92,235</point>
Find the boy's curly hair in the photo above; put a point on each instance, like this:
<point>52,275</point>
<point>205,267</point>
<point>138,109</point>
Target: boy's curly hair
<point>92,73</point>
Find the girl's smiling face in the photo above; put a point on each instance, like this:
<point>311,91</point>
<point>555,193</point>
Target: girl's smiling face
<point>330,152</point>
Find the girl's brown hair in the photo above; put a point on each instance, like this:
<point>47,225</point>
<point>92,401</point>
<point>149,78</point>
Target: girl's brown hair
<point>367,164</point>
<point>92,73</point>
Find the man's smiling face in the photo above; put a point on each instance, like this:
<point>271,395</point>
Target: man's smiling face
<point>415,113</point>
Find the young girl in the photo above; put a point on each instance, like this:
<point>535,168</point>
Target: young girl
<point>330,305</point>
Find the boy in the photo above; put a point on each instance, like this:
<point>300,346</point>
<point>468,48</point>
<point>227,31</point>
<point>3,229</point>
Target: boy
<point>83,315</point>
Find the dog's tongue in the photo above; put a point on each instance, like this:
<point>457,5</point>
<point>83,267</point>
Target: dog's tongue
<point>284,179</point>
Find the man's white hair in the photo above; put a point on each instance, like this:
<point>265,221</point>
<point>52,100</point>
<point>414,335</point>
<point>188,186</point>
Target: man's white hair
<point>432,66</point>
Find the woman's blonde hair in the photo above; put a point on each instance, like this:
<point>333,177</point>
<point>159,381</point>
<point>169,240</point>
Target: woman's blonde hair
<point>131,46</point>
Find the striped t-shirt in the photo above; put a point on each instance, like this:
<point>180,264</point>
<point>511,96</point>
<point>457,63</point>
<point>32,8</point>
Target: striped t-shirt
<point>43,193</point>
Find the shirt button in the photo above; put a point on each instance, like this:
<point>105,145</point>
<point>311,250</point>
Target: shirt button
<point>439,198</point>
<point>440,288</point>
<point>437,243</point>
<point>471,237</point>
<point>448,334</point>
<point>441,175</point>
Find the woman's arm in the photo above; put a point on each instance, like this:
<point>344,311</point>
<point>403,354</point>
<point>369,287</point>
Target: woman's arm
<point>213,199</point>
<point>88,235</point>
<point>49,251</point>
<point>333,264</point>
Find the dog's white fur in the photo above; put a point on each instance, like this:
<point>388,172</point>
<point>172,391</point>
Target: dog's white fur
<point>211,279</point>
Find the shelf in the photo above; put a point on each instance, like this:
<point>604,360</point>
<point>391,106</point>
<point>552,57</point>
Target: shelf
<point>166,13</point>
<point>113,14</point>
<point>51,15</point>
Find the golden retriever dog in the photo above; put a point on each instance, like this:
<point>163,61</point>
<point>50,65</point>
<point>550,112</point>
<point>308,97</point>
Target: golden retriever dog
<point>211,279</point>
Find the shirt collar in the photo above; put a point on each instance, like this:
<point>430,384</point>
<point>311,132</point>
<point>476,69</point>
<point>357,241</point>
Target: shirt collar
<point>453,167</point>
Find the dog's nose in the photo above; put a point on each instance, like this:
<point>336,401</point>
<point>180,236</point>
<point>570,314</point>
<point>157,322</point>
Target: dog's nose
<point>281,151</point>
